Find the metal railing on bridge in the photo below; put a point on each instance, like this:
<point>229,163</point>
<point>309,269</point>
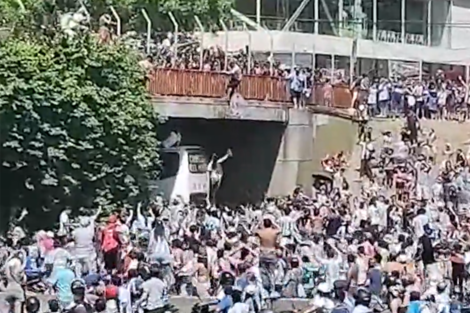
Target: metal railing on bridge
<point>263,89</point>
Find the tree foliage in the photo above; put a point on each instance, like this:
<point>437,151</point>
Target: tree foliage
<point>42,12</point>
<point>76,127</point>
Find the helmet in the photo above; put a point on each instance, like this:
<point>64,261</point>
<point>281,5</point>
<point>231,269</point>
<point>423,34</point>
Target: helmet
<point>32,305</point>
<point>227,279</point>
<point>78,287</point>
<point>362,297</point>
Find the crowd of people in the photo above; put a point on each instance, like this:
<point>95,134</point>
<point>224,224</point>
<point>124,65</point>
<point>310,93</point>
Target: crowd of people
<point>396,239</point>
<point>437,97</point>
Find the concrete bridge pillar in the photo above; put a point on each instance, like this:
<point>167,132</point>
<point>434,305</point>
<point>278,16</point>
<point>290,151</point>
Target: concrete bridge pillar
<point>293,165</point>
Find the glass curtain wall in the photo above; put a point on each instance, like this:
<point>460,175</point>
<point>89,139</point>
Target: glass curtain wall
<point>347,18</point>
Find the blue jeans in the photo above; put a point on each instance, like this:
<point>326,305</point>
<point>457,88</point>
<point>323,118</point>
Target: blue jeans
<point>383,107</point>
<point>396,106</point>
<point>372,109</point>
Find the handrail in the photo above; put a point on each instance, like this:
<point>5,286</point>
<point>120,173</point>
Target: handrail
<point>263,89</point>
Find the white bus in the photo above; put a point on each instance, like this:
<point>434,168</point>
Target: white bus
<point>184,175</point>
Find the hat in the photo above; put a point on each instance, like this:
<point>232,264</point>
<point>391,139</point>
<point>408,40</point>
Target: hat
<point>50,234</point>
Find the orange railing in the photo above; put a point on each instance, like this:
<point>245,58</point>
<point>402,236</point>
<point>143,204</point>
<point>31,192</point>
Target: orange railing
<point>188,83</point>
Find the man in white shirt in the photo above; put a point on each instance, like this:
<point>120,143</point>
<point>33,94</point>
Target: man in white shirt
<point>418,223</point>
<point>154,292</point>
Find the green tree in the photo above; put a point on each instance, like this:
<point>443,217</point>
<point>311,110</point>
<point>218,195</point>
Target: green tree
<point>42,12</point>
<point>77,129</point>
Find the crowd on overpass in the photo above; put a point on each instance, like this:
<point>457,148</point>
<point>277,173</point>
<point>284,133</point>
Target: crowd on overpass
<point>437,97</point>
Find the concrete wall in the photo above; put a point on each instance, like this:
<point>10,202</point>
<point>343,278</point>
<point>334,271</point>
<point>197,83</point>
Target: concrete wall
<point>332,135</point>
<point>294,158</point>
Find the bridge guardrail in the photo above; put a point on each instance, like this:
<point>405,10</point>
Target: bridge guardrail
<point>195,83</point>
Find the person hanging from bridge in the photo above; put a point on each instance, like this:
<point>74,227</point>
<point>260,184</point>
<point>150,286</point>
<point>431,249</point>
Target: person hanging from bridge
<point>235,74</point>
<point>216,172</point>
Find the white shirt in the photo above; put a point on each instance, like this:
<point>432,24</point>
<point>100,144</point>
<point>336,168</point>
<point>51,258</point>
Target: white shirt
<point>384,94</point>
<point>63,221</point>
<point>236,72</point>
<point>239,307</point>
<point>418,92</point>
<point>372,99</point>
<point>374,215</point>
<point>418,224</point>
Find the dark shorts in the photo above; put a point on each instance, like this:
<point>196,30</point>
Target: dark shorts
<point>111,259</point>
<point>233,83</point>
<point>295,94</point>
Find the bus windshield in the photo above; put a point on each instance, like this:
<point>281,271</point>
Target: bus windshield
<point>170,164</point>
<point>197,162</point>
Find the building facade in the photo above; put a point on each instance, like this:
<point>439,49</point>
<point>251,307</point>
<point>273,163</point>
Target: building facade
<point>424,32</point>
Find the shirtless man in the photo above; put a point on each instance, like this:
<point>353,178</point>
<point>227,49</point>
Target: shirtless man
<point>268,235</point>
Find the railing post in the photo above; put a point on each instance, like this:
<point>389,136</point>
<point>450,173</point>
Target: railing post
<point>201,53</point>
<point>249,47</point>
<point>314,65</point>
<point>118,21</point>
<point>293,56</point>
<point>149,30</point>
<point>271,54</point>
<point>420,70</point>
<point>225,29</point>
<point>353,60</point>
<point>467,76</point>
<point>332,68</point>
<point>175,34</point>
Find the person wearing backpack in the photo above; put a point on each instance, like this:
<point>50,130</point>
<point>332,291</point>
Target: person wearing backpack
<point>110,244</point>
<point>344,305</point>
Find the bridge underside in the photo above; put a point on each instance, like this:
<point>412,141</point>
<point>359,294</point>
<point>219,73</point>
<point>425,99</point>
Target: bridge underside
<point>274,148</point>
<point>255,146</point>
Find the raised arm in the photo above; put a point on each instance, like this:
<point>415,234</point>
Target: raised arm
<point>94,217</point>
<point>129,218</point>
<point>225,157</point>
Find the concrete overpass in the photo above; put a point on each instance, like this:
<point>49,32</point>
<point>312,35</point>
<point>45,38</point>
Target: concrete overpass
<point>276,147</point>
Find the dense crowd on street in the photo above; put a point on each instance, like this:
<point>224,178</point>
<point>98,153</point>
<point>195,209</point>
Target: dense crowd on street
<point>395,239</point>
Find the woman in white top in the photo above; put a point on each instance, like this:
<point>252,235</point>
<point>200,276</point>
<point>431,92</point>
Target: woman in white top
<point>418,93</point>
<point>372,99</point>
